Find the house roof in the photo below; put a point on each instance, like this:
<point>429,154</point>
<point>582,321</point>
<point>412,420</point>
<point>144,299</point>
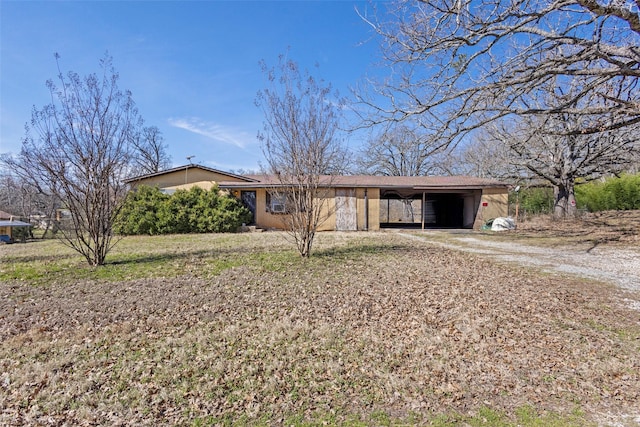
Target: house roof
<point>185,167</point>
<point>371,181</point>
<point>374,181</point>
<point>6,215</point>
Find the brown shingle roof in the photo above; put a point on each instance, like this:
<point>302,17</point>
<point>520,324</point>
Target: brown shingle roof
<point>372,181</point>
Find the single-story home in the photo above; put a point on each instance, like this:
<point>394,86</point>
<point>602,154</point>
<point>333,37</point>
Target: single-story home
<point>7,224</point>
<point>356,202</point>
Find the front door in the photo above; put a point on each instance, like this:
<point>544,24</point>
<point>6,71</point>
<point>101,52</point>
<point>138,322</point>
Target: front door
<point>249,201</point>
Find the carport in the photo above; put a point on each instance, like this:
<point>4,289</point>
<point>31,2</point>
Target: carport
<point>428,207</point>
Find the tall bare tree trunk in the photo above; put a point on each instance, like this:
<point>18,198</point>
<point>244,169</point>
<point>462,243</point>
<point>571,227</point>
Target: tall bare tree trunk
<point>565,200</point>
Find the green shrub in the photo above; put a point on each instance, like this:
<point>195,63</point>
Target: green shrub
<point>533,200</point>
<point>611,194</point>
<point>149,211</point>
<point>139,214</point>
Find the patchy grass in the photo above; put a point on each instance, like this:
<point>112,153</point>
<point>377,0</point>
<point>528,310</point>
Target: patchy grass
<point>375,329</point>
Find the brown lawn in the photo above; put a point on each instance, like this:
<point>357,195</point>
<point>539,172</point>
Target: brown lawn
<point>375,329</point>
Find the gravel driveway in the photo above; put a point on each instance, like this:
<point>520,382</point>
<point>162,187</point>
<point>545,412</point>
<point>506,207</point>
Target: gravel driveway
<point>618,266</point>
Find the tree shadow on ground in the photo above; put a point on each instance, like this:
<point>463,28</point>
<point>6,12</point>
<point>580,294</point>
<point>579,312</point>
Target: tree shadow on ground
<point>368,249</point>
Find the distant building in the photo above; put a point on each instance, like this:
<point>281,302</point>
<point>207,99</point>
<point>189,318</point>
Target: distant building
<point>7,224</point>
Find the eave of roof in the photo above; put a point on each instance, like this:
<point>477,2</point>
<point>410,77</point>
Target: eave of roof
<point>185,167</point>
<point>372,181</point>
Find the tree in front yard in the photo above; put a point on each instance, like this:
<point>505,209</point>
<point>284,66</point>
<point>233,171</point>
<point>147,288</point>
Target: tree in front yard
<point>301,147</point>
<point>78,149</point>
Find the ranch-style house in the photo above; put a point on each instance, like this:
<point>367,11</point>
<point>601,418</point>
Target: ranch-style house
<point>355,202</point>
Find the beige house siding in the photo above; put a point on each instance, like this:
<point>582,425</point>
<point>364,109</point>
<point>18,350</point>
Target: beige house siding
<point>5,231</point>
<point>368,202</point>
<point>263,218</point>
<point>205,185</point>
<point>268,220</point>
<point>494,203</point>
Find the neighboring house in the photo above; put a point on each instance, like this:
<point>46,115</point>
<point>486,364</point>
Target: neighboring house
<point>356,202</point>
<point>7,223</point>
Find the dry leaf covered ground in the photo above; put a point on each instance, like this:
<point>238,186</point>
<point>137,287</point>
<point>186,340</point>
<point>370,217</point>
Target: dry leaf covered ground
<point>376,329</point>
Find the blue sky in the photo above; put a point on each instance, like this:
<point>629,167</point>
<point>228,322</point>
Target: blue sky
<point>193,66</point>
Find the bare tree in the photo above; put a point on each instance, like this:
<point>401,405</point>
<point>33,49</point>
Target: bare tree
<point>485,156</point>
<point>78,149</point>
<point>401,151</point>
<point>151,152</point>
<point>301,146</point>
<point>458,65</point>
<point>542,145</point>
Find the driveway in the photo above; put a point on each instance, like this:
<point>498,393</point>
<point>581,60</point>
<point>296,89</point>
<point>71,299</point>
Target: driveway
<point>609,264</point>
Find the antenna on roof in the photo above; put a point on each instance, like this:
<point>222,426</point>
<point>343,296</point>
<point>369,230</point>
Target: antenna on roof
<point>186,169</point>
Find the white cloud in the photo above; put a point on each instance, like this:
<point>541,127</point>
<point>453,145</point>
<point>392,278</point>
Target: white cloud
<point>213,131</point>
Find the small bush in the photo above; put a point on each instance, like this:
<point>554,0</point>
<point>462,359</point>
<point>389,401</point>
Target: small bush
<point>149,211</point>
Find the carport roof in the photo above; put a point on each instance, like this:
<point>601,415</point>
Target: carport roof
<point>4,223</point>
<point>372,181</point>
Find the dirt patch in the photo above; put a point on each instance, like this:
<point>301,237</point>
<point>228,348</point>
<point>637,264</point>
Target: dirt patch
<point>371,325</point>
<point>604,247</point>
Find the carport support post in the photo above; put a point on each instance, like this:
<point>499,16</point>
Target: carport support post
<point>424,204</point>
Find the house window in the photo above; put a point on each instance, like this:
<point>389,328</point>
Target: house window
<point>285,202</point>
<point>276,202</point>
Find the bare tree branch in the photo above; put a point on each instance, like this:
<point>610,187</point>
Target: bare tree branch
<point>301,146</point>
<point>78,150</point>
<point>401,151</point>
<point>564,159</point>
<point>457,65</point>
<point>151,152</point>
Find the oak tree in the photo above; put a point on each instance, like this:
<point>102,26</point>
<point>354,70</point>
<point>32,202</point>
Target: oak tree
<point>459,64</point>
<point>543,147</point>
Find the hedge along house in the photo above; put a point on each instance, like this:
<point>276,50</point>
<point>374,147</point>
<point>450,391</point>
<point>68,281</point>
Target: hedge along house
<point>358,202</point>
